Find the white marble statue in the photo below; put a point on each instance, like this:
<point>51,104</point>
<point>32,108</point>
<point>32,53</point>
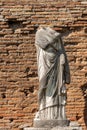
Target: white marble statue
<point>53,73</point>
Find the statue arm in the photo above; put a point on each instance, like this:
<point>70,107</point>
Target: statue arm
<point>66,66</point>
<point>67,72</point>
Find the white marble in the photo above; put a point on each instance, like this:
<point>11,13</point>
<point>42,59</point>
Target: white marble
<point>53,73</point>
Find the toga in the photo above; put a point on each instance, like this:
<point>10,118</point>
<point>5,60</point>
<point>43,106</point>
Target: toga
<point>53,70</point>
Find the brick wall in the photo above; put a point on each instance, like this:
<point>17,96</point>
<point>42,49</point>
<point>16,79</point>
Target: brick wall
<point>18,67</point>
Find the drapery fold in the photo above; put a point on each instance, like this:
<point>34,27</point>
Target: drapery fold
<point>53,68</point>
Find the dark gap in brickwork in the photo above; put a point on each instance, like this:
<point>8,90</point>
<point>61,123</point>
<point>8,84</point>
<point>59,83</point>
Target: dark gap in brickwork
<point>10,80</point>
<point>3,95</point>
<point>32,32</point>
<point>1,117</point>
<point>27,70</point>
<point>70,43</point>
<point>77,116</point>
<point>14,24</point>
<point>85,29</point>
<point>1,60</point>
<point>33,74</point>
<point>29,74</point>
<point>1,35</point>
<point>8,62</point>
<point>75,58</point>
<point>11,120</point>
<point>84,15</point>
<point>85,74</point>
<point>24,34</point>
<point>80,67</point>
<point>34,110</point>
<point>7,52</point>
<point>15,44</point>
<point>76,28</point>
<point>26,92</point>
<point>31,89</point>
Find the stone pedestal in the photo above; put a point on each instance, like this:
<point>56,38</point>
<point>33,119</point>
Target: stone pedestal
<point>72,126</point>
<point>31,128</point>
<point>55,128</point>
<point>67,128</point>
<point>50,123</point>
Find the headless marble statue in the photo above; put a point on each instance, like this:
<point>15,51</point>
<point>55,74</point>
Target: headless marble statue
<point>53,73</point>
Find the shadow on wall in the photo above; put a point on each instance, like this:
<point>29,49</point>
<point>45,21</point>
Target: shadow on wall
<point>84,91</point>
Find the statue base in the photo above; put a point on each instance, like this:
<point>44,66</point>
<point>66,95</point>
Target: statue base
<point>55,128</point>
<point>72,126</point>
<point>50,123</point>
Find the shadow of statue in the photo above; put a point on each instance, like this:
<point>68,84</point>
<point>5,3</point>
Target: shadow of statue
<point>84,91</point>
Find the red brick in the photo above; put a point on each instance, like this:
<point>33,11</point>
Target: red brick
<point>18,68</point>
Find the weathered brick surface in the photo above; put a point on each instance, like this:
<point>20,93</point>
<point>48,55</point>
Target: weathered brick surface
<point>18,67</point>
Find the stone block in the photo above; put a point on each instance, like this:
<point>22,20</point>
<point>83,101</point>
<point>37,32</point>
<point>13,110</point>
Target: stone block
<point>67,128</point>
<point>50,123</point>
<point>55,128</point>
<point>31,128</point>
<point>72,126</point>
